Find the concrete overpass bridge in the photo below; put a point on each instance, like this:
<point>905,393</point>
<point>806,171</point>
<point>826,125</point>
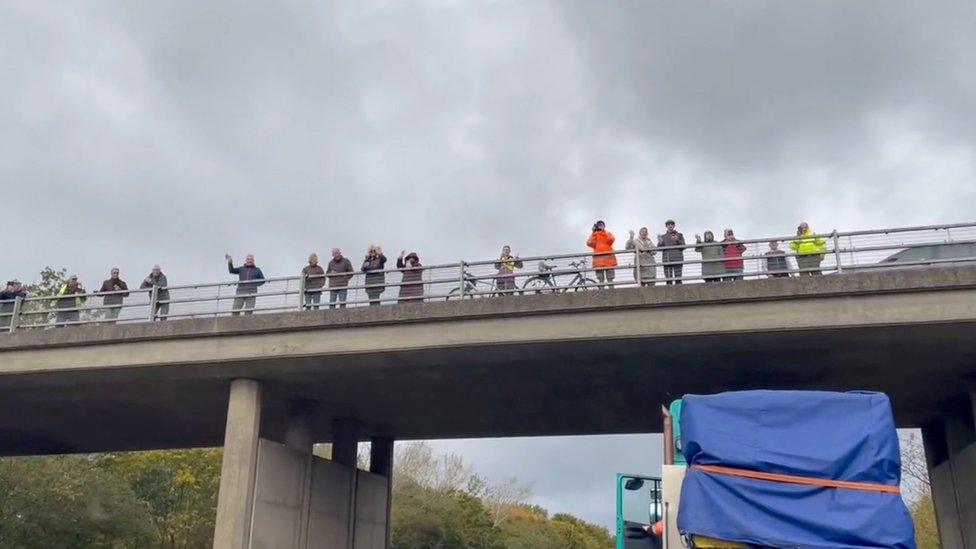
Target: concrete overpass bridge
<point>268,386</point>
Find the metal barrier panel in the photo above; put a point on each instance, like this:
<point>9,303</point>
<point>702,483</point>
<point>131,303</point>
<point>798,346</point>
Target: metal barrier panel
<point>371,495</point>
<point>328,520</point>
<point>278,489</point>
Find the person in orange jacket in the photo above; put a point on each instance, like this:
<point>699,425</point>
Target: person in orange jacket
<point>604,261</point>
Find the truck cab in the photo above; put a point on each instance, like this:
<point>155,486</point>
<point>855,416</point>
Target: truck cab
<point>638,508</point>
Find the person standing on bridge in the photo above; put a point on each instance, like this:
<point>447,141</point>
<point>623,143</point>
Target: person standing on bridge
<point>809,249</point>
<point>506,265</point>
<point>604,260</point>
<point>732,249</point>
<point>645,268</point>
<point>314,277</point>
<point>673,257</point>
<point>775,264</point>
<point>14,290</point>
<point>249,278</point>
<point>339,273</point>
<point>712,267</point>
<point>119,291</point>
<point>157,280</point>
<point>411,283</point>
<point>373,266</point>
<point>70,299</point>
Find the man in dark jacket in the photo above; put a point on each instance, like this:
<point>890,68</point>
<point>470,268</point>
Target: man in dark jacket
<point>672,258</point>
<point>119,289</point>
<point>14,290</point>
<point>314,276</point>
<point>339,273</point>
<point>249,277</point>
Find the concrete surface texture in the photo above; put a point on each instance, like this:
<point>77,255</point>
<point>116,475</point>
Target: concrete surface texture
<point>579,363</point>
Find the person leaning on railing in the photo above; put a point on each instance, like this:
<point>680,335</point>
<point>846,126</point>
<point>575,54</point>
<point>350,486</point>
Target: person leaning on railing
<point>339,272</point>
<point>411,283</point>
<point>249,277</point>
<point>809,249</point>
<point>157,279</point>
<point>506,265</point>
<point>114,300</point>
<point>314,279</point>
<point>14,290</point>
<point>373,266</point>
<point>775,263</point>
<point>712,267</point>
<point>732,249</point>
<point>70,299</point>
<point>604,260</point>
<point>646,270</point>
<point>672,258</point>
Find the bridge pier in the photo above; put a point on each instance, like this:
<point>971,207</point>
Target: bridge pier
<point>280,495</point>
<point>950,450</point>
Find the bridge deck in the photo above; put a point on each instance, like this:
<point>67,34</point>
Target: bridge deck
<point>578,363</point>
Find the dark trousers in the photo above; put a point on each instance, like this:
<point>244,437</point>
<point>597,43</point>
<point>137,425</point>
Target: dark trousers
<point>312,300</point>
<point>244,304</point>
<point>62,318</point>
<point>162,309</point>
<point>111,315</point>
<point>672,270</point>
<point>374,295</point>
<point>734,274</point>
<point>339,295</point>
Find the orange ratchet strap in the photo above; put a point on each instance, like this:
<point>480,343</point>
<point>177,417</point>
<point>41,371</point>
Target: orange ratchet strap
<point>793,479</point>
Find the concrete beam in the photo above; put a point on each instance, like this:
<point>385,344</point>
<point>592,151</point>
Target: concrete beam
<point>239,468</point>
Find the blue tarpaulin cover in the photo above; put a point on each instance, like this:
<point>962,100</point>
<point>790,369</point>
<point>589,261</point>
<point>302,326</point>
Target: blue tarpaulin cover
<point>837,436</point>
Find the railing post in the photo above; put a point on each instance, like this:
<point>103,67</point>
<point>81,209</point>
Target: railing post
<point>15,313</point>
<point>153,301</point>
<point>837,258</point>
<point>637,270</point>
<point>461,270</point>
<point>301,292</point>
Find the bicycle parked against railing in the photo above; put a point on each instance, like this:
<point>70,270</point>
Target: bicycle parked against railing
<point>545,281</point>
<point>474,287</point>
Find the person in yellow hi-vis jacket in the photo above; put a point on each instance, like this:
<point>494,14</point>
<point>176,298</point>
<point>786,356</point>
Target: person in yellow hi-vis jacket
<point>809,249</point>
<point>71,297</point>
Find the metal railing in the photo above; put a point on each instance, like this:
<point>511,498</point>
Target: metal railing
<point>842,252</point>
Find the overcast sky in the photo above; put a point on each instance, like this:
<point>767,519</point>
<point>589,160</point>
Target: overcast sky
<point>134,133</point>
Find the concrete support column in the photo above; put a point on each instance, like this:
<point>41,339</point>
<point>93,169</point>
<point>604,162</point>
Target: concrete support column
<point>345,451</point>
<point>345,442</point>
<point>950,450</point>
<point>237,474</point>
<point>381,463</point>
<point>299,437</point>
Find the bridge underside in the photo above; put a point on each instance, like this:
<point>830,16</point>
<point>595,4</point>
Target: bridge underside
<point>577,387</point>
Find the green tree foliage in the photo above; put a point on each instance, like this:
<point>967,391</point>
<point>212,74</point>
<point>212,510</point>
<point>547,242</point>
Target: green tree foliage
<point>179,489</point>
<point>67,501</point>
<point>926,529</point>
<point>439,502</point>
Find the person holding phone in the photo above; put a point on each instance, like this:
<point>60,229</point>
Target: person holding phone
<point>604,260</point>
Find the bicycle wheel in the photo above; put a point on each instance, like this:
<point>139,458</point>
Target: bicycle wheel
<point>537,285</point>
<point>585,284</point>
<point>453,294</point>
